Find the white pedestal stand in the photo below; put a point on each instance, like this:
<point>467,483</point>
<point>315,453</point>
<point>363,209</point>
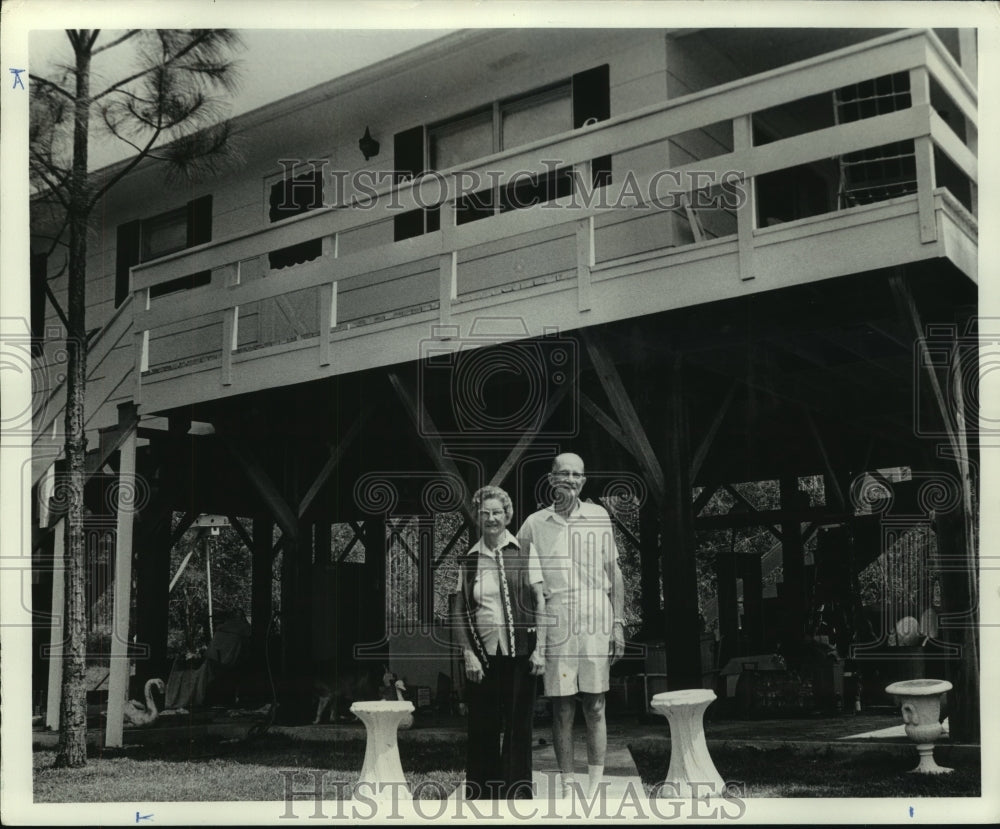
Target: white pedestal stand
<point>692,772</point>
<point>381,765</point>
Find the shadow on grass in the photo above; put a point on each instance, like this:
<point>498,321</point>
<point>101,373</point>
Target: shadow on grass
<point>215,769</point>
<point>285,751</point>
<point>784,772</point>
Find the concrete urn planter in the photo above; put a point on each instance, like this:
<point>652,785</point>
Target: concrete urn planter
<point>921,704</point>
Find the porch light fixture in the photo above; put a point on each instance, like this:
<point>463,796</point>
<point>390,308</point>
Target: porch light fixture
<point>369,146</point>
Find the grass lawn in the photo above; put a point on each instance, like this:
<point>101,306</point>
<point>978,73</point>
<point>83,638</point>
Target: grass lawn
<point>219,770</point>
<point>237,770</point>
<point>781,772</point>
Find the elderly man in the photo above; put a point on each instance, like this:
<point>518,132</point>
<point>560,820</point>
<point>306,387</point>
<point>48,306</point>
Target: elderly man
<point>584,595</point>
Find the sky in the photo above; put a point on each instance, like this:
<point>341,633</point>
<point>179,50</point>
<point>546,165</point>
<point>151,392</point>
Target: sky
<point>274,63</point>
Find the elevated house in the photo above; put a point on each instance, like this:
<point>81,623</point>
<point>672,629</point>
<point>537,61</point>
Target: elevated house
<point>696,257</point>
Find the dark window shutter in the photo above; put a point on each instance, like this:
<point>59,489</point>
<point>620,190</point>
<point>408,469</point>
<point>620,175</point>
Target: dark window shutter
<point>199,225</point>
<point>290,197</point>
<point>592,100</point>
<point>199,231</point>
<point>126,256</point>
<point>408,163</point>
<point>39,275</point>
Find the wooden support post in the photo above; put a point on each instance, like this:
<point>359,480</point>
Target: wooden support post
<point>324,542</point>
<point>792,559</point>
<point>923,147</point>
<point>153,596</point>
<point>753,607</point>
<point>447,265</point>
<point>746,220</point>
<point>959,622</point>
<point>680,580</point>
<point>326,312</point>
<point>261,583</point>
<point>230,333</point>
<point>649,571</point>
<point>425,571</point>
<point>118,681</point>
<point>729,622</point>
<point>584,258</point>
<point>57,627</point>
<point>376,643</point>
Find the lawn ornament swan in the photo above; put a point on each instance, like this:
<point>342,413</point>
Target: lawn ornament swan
<point>139,714</point>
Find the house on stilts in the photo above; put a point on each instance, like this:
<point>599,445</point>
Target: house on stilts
<point>698,258</point>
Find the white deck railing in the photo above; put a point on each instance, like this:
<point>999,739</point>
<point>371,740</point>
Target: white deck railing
<point>919,53</point>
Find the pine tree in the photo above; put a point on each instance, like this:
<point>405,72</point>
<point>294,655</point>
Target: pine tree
<point>162,108</point>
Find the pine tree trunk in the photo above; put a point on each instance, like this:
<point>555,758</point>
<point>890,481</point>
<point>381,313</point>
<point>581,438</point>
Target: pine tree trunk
<point>72,749</point>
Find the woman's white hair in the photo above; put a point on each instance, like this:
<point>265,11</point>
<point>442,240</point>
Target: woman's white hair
<point>487,492</point>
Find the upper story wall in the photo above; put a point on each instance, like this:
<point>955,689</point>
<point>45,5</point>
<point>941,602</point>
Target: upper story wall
<point>458,73</point>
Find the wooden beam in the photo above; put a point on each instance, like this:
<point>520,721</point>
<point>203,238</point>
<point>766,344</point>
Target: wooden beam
<point>907,308</point>
<point>431,440</point>
<point>462,527</point>
<point>283,304</point>
<point>331,463</point>
<point>752,508</point>
<point>261,584</point>
<point>620,401</point>
<point>118,681</point>
<point>753,619</point>
<point>653,623</point>
<point>792,560</point>
<point>185,524</point>
<point>731,520</point>
<point>616,521</point>
<point>706,442</point>
<point>110,442</point>
<point>265,487</point>
<point>704,497</point>
<point>527,438</point>
<point>241,531</point>
<point>681,628</point>
<point>349,547</point>
<point>396,534</point>
<point>607,423</point>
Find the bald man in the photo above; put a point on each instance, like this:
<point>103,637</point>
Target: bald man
<point>584,596</point>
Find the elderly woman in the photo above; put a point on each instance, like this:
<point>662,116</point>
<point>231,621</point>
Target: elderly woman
<point>498,596</point>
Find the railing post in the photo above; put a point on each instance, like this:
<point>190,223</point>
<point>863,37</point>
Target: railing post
<point>230,277</point>
<point>327,303</point>
<point>745,213</point>
<point>140,302</point>
<point>584,261</point>
<point>923,148</point>
<point>448,268</point>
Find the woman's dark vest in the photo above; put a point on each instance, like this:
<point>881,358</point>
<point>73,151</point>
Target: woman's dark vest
<point>522,600</point>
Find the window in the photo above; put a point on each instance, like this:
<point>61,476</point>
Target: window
<point>505,124</point>
<point>146,239</point>
<point>292,197</point>
<point>876,173</point>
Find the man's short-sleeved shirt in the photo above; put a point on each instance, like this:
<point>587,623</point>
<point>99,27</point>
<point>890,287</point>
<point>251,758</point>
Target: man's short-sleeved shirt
<point>577,553</point>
